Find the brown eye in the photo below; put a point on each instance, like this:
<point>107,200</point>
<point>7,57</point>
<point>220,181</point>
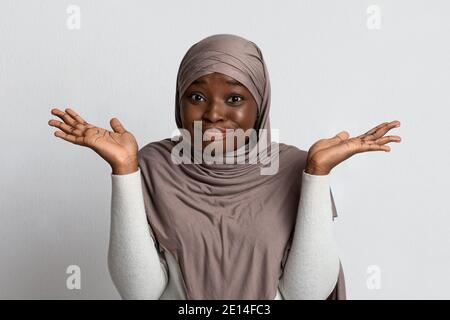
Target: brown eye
<point>196,97</point>
<point>235,99</point>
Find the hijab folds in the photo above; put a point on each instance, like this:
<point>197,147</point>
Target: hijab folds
<point>228,225</point>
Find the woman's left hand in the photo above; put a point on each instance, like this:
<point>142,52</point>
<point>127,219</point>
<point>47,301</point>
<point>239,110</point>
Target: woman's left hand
<point>325,154</point>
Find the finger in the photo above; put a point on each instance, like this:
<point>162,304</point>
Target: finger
<point>372,130</point>
<point>359,146</point>
<point>387,139</point>
<point>64,116</point>
<point>66,128</point>
<point>117,126</point>
<point>69,137</point>
<point>76,116</point>
<point>375,147</point>
<point>355,145</point>
<point>382,131</point>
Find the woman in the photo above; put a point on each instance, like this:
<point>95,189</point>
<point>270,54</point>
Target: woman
<point>183,228</point>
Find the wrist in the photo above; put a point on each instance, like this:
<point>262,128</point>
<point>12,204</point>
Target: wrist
<point>125,168</point>
<point>314,170</point>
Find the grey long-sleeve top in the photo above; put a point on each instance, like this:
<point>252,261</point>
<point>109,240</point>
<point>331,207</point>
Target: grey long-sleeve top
<point>139,272</point>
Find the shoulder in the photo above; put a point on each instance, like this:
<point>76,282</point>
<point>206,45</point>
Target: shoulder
<point>291,151</point>
<point>155,149</point>
<point>292,158</point>
<point>155,153</point>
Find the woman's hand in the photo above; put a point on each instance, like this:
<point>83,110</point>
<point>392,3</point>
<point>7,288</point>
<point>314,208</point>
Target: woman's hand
<point>325,154</point>
<point>118,147</point>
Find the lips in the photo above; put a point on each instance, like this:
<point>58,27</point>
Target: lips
<point>214,132</point>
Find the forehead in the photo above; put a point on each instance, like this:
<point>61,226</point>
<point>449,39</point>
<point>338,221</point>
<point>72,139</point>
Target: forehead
<point>217,77</point>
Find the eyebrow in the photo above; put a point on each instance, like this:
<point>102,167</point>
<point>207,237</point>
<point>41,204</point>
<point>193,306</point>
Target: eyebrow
<point>199,82</point>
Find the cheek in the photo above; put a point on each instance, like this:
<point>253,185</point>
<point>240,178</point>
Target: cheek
<point>245,117</point>
<point>189,114</point>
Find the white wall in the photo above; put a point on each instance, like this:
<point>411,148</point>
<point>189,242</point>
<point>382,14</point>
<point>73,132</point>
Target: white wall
<point>329,72</point>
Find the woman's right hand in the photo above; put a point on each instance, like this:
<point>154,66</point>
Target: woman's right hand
<point>118,147</point>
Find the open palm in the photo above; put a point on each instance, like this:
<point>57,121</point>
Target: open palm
<point>116,147</point>
<point>325,154</point>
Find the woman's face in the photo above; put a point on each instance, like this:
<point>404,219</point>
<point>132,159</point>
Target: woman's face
<point>221,102</point>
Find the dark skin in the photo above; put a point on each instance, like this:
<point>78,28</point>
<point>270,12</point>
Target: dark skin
<point>218,101</point>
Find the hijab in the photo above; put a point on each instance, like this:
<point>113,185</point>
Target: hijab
<point>228,226</point>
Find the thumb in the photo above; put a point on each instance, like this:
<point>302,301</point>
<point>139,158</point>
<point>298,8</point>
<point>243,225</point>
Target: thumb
<point>338,138</point>
<point>117,126</point>
<point>341,136</point>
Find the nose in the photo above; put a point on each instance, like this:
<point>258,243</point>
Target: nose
<point>214,112</point>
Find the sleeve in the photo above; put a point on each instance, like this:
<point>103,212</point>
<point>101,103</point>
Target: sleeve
<point>312,267</point>
<point>333,205</point>
<point>288,247</point>
<point>137,270</point>
<point>339,290</point>
<point>159,248</point>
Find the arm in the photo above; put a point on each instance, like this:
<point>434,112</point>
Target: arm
<point>312,266</point>
<point>133,260</point>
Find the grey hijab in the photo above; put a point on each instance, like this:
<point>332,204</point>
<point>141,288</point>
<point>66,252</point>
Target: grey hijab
<point>229,227</point>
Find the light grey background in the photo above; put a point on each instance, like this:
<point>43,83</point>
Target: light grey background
<point>329,72</point>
